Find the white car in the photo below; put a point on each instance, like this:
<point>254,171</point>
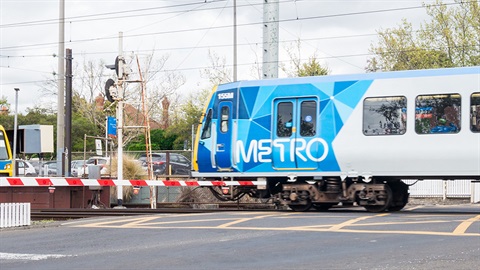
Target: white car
<point>76,167</point>
<point>102,161</point>
<point>24,168</point>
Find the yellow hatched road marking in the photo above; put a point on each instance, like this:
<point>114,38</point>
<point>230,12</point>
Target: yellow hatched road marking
<point>375,224</point>
<point>134,220</point>
<point>352,221</point>
<point>148,222</point>
<point>248,219</point>
<point>463,227</point>
<point>414,207</point>
<point>180,221</point>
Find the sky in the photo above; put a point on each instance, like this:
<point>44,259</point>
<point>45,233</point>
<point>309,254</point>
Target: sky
<point>338,32</point>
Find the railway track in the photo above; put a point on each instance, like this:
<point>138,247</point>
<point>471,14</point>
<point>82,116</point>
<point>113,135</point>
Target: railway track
<point>162,208</point>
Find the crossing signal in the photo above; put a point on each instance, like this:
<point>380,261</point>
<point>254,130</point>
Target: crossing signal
<point>111,90</point>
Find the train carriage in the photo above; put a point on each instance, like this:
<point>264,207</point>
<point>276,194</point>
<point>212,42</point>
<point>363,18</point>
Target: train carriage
<point>318,141</point>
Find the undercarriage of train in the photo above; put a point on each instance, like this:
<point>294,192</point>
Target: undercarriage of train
<point>301,195</point>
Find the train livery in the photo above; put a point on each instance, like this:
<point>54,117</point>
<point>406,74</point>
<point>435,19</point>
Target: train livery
<point>319,141</point>
<point>5,154</point>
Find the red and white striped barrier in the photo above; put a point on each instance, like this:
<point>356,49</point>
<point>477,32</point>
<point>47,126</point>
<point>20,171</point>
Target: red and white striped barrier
<point>72,182</point>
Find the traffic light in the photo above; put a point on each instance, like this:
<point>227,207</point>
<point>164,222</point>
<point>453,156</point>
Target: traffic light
<point>120,67</point>
<point>111,90</point>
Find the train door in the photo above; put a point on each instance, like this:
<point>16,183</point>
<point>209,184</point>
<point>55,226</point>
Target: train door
<point>294,145</point>
<point>224,136</point>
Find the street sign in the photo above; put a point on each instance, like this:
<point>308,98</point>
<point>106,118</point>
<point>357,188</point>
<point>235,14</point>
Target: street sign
<point>98,146</point>
<point>112,126</point>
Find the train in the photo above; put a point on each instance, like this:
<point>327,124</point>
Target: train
<point>324,140</point>
<point>6,167</point>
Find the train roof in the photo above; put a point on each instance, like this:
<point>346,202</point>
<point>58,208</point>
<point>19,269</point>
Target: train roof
<point>355,77</point>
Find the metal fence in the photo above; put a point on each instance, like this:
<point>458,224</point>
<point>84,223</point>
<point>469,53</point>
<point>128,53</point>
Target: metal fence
<point>445,189</point>
<point>14,214</point>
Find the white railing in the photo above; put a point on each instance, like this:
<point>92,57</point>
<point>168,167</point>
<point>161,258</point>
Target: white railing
<point>445,189</point>
<point>475,192</point>
<point>14,214</point>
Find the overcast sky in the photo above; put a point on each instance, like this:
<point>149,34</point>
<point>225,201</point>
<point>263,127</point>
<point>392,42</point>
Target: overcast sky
<point>339,32</point>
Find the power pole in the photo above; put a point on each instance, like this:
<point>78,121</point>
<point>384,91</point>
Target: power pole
<point>234,40</point>
<point>68,112</point>
<point>270,39</point>
<point>121,80</point>
<point>61,90</point>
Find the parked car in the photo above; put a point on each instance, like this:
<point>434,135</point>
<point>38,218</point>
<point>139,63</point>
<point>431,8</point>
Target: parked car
<point>40,166</point>
<point>102,161</point>
<point>25,168</point>
<point>36,164</point>
<point>77,166</point>
<point>179,164</point>
<point>50,167</point>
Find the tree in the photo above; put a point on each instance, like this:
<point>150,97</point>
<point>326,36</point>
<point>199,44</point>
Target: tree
<point>158,85</point>
<point>218,72</point>
<point>450,39</point>
<point>160,141</point>
<point>298,68</point>
<point>189,113</point>
<point>312,68</point>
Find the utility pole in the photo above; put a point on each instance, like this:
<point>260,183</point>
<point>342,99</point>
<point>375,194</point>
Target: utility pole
<point>61,90</point>
<point>68,112</point>
<point>121,80</point>
<point>15,128</point>
<point>234,40</point>
<point>270,39</point>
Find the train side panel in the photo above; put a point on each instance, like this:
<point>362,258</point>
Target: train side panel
<point>440,155</point>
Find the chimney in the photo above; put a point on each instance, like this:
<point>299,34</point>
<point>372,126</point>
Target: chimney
<point>99,102</point>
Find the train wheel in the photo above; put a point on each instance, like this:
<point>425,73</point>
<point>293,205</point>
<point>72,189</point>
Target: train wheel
<point>400,196</point>
<point>322,206</point>
<point>301,207</point>
<point>387,199</point>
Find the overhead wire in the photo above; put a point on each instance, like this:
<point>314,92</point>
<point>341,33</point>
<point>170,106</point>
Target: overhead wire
<point>108,14</point>
<point>202,67</point>
<point>209,28</point>
<point>225,26</point>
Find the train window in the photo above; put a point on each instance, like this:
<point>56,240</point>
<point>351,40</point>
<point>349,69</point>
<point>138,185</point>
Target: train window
<point>284,119</point>
<point>3,147</point>
<point>384,115</point>
<point>224,120</point>
<point>207,127</point>
<point>475,112</point>
<point>308,118</point>
<point>437,114</point>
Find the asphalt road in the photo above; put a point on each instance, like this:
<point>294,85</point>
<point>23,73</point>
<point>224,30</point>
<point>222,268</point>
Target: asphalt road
<point>420,237</point>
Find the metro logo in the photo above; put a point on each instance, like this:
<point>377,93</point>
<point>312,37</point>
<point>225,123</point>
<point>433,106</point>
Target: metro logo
<point>261,150</point>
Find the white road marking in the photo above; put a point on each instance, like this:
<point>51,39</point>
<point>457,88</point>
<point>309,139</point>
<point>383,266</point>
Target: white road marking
<point>30,257</point>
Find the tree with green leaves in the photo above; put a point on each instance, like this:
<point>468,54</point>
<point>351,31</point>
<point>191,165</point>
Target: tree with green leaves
<point>450,39</point>
<point>160,141</point>
<point>189,112</point>
<point>298,68</point>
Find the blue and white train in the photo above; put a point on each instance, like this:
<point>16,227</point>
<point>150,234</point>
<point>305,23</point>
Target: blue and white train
<point>318,141</point>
